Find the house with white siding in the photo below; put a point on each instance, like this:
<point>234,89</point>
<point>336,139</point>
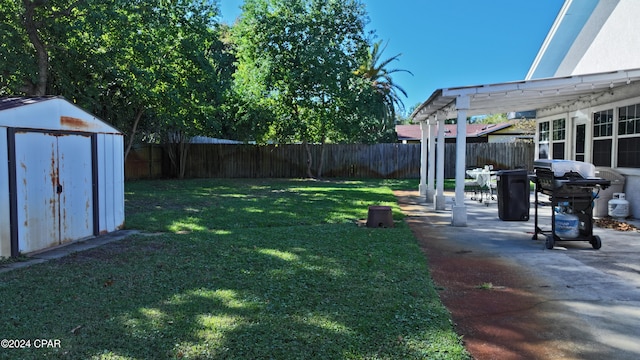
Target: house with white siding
<point>584,86</point>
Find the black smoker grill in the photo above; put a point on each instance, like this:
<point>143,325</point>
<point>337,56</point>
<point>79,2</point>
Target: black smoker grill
<point>569,185</point>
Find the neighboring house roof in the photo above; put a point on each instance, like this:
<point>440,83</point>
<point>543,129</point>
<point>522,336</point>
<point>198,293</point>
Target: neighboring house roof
<point>413,132</point>
<point>590,36</point>
<point>210,140</point>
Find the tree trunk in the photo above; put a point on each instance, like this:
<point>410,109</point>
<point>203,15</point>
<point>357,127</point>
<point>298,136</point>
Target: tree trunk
<point>184,149</point>
<point>307,147</point>
<point>132,135</point>
<point>323,133</point>
<point>177,148</point>
<point>40,87</point>
<point>170,147</point>
<point>321,162</point>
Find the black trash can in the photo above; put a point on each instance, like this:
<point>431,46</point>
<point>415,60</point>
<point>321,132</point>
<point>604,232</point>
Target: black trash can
<point>513,195</point>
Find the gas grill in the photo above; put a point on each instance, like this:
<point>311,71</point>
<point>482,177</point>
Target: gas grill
<point>571,187</point>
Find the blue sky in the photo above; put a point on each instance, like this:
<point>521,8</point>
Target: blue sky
<point>450,43</point>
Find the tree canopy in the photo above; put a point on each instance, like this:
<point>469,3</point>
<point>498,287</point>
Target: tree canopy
<point>166,70</point>
<point>298,56</point>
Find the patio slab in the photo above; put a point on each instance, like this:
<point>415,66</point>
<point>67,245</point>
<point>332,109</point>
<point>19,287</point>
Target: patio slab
<point>584,303</point>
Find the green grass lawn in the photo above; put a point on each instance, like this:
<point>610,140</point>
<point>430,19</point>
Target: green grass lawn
<point>238,269</point>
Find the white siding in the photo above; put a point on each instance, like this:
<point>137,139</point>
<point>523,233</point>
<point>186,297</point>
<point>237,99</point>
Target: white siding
<point>632,190</point>
<point>110,182</point>
<point>616,45</point>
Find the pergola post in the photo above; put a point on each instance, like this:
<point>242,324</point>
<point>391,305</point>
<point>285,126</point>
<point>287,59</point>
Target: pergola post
<point>422,188</point>
<point>439,203</point>
<point>431,162</point>
<point>459,213</point>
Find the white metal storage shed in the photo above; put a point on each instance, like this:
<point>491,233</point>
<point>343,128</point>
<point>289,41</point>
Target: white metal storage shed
<point>61,175</point>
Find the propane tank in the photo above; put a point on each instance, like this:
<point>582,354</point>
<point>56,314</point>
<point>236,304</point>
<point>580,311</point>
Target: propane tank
<point>618,206</point>
<point>567,225</point>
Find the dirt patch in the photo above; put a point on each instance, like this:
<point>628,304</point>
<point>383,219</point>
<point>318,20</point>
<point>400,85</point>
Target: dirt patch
<point>494,304</point>
<point>114,251</point>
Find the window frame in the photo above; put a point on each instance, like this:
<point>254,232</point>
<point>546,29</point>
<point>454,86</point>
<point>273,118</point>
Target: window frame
<point>610,112</point>
<point>623,124</point>
<point>544,138</point>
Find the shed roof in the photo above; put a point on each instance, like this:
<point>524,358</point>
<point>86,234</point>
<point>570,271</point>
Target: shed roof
<point>13,102</point>
<point>49,113</point>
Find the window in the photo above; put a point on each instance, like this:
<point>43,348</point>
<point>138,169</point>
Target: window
<point>629,136</point>
<point>629,152</point>
<point>558,151</point>
<point>544,132</point>
<point>629,120</point>
<point>558,134</point>
<point>602,137</point>
<point>602,152</point>
<point>543,140</point>
<point>559,131</point>
<point>603,123</point>
<point>551,139</point>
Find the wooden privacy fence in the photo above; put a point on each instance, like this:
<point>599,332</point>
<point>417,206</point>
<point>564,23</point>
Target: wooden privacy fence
<point>144,162</point>
<point>503,156</point>
<point>290,161</point>
<point>398,161</point>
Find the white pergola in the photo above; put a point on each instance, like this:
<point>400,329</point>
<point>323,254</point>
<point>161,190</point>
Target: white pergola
<point>561,94</point>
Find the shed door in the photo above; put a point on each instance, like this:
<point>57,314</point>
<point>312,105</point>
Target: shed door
<point>54,189</point>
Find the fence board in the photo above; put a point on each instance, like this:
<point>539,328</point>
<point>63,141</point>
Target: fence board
<point>144,162</point>
<point>340,160</point>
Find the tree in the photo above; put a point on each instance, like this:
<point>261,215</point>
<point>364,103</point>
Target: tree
<point>162,75</point>
<point>492,119</point>
<point>527,126</point>
<point>156,70</point>
<point>376,72</point>
<point>29,32</point>
<point>297,57</point>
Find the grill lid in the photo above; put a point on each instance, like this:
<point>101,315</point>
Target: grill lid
<point>566,168</point>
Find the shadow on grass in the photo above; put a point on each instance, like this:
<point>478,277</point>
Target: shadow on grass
<point>197,205</point>
<point>285,288</point>
<point>307,293</point>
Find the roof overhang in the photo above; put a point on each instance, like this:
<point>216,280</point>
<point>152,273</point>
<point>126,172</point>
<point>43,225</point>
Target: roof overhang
<point>538,94</point>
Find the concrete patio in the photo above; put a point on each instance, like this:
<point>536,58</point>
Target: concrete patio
<point>590,299</point>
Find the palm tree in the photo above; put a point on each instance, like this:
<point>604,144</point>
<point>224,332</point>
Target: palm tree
<point>376,72</point>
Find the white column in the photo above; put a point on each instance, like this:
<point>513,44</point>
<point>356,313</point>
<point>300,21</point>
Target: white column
<point>439,201</point>
<point>431,161</point>
<point>459,213</point>
<point>423,158</point>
